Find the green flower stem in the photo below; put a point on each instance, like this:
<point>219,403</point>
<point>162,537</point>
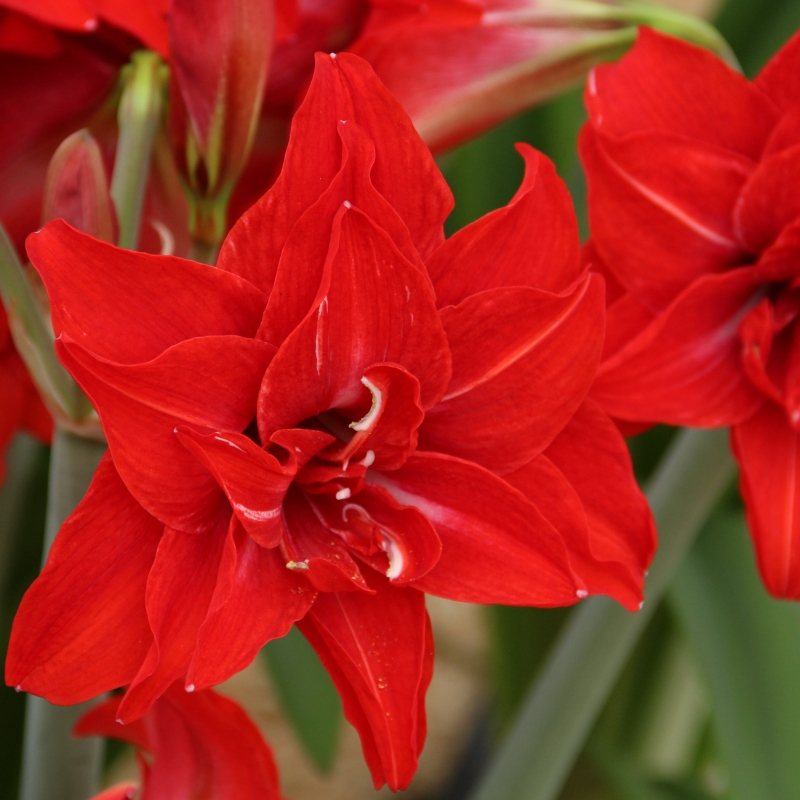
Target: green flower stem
<point>144,81</point>
<point>55,766</point>
<point>203,252</point>
<point>536,757</point>
<point>34,338</point>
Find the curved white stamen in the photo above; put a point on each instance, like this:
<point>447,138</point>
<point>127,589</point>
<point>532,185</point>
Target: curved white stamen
<point>396,560</point>
<point>257,516</point>
<point>358,509</point>
<point>166,237</point>
<point>343,494</point>
<point>365,423</point>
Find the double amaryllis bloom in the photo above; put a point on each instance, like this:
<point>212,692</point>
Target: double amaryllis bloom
<point>347,412</point>
<point>695,216</point>
<point>189,747</point>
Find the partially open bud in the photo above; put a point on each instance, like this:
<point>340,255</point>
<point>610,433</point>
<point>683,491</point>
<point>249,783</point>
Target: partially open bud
<point>220,52</point>
<point>461,66</point>
<point>76,188</point>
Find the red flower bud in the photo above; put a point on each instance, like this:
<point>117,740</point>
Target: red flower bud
<point>220,52</point>
<point>76,188</point>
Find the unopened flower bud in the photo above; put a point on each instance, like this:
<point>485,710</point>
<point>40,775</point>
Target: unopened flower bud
<point>220,52</point>
<point>76,188</point>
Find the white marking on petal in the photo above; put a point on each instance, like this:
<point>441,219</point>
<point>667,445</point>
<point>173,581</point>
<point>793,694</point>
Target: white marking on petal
<point>229,442</point>
<point>365,423</point>
<point>190,688</point>
<point>347,204</point>
<point>343,494</point>
<point>323,307</point>
<point>257,516</point>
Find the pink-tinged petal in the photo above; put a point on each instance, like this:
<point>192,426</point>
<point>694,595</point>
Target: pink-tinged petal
<point>129,307</point>
<point>678,196</point>
<point>179,589</point>
<point>70,15</point>
<point>768,452</point>
<point>374,306</point>
<point>669,85</point>
<point>769,200</point>
<point>388,429</point>
<point>496,546</point>
<point>556,499</point>
<point>523,361</point>
<point>591,454</point>
<point>256,599</point>
<point>302,260</point>
<point>312,550</point>
<point>780,78</point>
<point>404,171</point>
<point>254,481</point>
<point>538,233</point>
<point>396,540</point>
<point>82,628</point>
<point>685,368</point>
<point>378,650</point>
<point>206,383</point>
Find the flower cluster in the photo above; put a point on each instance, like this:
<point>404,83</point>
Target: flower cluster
<point>703,299</point>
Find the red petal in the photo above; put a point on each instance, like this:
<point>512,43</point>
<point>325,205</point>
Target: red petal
<point>379,651</point>
<point>202,745</point>
<point>344,88</point>
<point>685,368</point>
<point>130,307</point>
<point>523,360</point>
<point>496,546</point>
<point>302,260</point>
<point>256,599</point>
<point>768,452</point>
<point>533,241</point>
<point>396,540</point>
<point>254,481</point>
<point>209,382</point>
<point>72,15</point>
<point>769,201</point>
<point>670,85</point>
<point>780,78</point>
<point>82,628</point>
<point>388,429</point>
<point>677,194</point>
<point>123,791</point>
<point>179,590</point>
<point>374,306</point>
<point>145,20</point>
<point>779,261</point>
<point>593,457</point>
<point>310,549</point>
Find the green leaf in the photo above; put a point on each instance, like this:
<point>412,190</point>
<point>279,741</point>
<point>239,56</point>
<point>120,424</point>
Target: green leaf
<point>307,695</point>
<point>749,647</point>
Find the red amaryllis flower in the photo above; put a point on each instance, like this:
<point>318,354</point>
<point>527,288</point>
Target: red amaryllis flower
<point>692,174</point>
<point>198,746</point>
<point>347,412</point>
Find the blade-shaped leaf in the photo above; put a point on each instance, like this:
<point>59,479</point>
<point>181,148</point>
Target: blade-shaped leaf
<point>307,695</point>
<point>749,647</point>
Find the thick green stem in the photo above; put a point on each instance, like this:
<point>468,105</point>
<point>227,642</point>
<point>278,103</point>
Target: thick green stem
<point>138,117</point>
<point>55,766</point>
<point>583,665</point>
